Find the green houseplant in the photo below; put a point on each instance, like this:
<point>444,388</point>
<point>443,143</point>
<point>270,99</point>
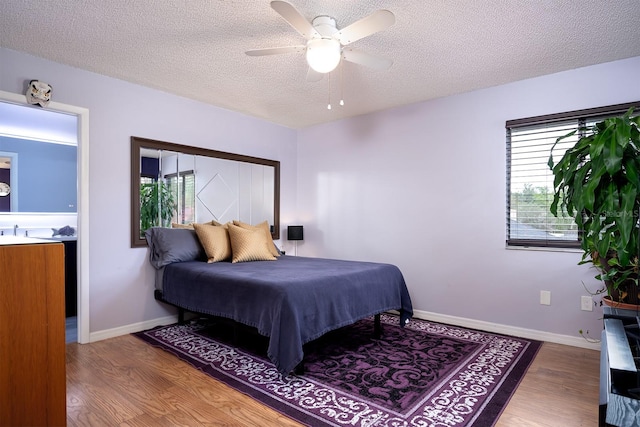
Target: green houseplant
<point>597,182</point>
<point>157,205</point>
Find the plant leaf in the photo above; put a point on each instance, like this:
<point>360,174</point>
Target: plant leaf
<point>625,218</point>
<point>550,162</point>
<point>612,151</point>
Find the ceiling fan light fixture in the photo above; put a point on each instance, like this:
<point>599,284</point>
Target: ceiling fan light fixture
<point>323,54</point>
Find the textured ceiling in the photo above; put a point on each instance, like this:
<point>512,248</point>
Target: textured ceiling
<point>195,48</point>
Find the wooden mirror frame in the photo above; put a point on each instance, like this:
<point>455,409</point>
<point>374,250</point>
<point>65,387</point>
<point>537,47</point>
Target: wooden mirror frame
<point>138,143</point>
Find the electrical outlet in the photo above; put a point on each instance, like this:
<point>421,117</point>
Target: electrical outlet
<point>586,303</point>
<point>545,297</point>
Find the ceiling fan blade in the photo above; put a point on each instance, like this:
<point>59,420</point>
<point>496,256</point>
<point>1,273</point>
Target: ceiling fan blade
<point>295,19</point>
<point>275,50</point>
<point>373,23</point>
<point>313,75</point>
<point>362,58</point>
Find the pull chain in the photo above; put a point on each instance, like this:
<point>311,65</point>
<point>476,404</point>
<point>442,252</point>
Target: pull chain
<point>341,83</point>
<point>329,80</point>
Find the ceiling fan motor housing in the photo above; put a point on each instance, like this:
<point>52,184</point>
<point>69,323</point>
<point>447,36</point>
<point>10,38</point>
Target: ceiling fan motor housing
<point>325,25</point>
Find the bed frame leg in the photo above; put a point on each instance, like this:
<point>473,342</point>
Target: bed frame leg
<point>377,326</point>
<point>234,328</point>
<point>299,369</point>
<point>180,315</point>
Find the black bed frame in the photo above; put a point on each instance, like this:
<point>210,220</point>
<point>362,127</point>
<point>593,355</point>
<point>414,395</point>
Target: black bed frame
<point>377,325</point>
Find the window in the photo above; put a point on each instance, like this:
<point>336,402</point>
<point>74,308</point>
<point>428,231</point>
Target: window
<point>530,189</point>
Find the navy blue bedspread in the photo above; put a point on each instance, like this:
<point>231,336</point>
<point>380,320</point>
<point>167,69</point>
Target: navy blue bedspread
<point>293,300</point>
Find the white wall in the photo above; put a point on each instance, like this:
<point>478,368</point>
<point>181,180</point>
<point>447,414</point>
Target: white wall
<point>121,279</point>
<point>423,187</point>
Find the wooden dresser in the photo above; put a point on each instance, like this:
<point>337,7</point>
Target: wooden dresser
<point>32,333</point>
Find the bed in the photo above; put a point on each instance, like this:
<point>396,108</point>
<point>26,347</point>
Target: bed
<point>292,300</point>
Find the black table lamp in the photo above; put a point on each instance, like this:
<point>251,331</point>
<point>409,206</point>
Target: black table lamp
<point>295,233</point>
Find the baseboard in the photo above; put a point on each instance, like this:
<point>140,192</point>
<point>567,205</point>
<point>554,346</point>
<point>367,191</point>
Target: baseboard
<point>507,330</point>
<point>129,329</point>
<point>419,314</point>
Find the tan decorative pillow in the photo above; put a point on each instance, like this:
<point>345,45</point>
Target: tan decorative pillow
<point>249,245</point>
<point>264,226</point>
<point>215,241</point>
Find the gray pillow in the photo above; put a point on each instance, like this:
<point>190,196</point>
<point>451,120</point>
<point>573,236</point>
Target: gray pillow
<point>168,245</point>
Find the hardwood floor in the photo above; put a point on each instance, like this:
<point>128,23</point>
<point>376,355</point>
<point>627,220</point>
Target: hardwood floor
<point>561,388</point>
<point>125,382</point>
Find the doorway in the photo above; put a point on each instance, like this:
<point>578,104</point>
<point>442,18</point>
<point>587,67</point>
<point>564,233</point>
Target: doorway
<point>81,115</point>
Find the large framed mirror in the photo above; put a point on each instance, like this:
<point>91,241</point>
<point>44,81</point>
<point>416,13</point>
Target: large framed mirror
<point>179,184</point>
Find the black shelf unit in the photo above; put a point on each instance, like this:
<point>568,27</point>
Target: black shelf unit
<point>619,375</point>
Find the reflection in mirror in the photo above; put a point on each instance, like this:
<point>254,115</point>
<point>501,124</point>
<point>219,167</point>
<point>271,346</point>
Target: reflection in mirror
<point>157,200</point>
<point>177,184</point>
<point>8,181</point>
<point>38,160</point>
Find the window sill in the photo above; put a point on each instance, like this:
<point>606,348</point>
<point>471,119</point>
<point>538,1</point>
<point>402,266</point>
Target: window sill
<point>543,249</point>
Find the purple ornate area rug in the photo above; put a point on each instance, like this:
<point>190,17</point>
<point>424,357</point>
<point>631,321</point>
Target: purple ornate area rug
<point>426,374</point>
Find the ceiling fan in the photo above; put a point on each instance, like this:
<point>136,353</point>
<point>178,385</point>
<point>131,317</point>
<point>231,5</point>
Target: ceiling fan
<point>327,45</point>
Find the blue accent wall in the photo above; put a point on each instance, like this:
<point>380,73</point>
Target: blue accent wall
<point>47,175</point>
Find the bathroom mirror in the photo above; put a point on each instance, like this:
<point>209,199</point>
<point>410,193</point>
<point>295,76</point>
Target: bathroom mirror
<point>38,160</point>
<point>173,183</point>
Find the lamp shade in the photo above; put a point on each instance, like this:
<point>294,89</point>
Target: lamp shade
<point>295,232</point>
<point>323,55</point>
